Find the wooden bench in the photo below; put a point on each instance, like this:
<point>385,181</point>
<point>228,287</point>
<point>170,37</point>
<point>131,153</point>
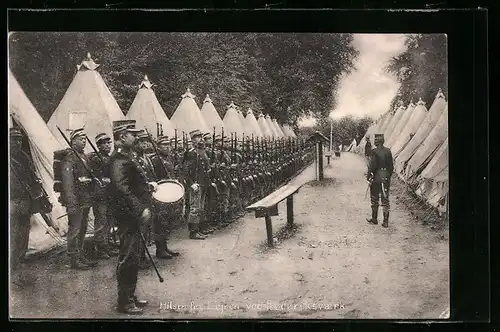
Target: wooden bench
<point>268,207</point>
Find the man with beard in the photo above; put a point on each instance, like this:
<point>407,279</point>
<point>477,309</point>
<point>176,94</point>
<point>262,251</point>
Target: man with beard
<point>130,193</point>
<point>164,168</point>
<point>25,192</point>
<point>77,187</point>
<point>102,217</point>
<point>196,167</point>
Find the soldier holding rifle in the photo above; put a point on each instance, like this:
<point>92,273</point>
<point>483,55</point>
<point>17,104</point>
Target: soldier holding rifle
<point>379,174</point>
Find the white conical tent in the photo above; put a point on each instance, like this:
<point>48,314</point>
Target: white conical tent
<point>394,120</point>
<point>211,116</point>
<point>187,116</point>
<point>429,146</point>
<point>232,121</point>
<point>438,163</point>
<point>400,125</point>
<point>288,131</point>
<point>42,146</point>
<point>415,120</point>
<point>271,127</point>
<point>148,113</point>
<point>241,117</point>
<point>351,146</point>
<point>383,124</point>
<point>87,103</point>
<point>387,122</point>
<point>278,128</point>
<point>264,127</point>
<point>251,125</point>
<point>424,129</point>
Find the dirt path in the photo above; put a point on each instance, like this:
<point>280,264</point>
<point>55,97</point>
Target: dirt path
<point>336,265</point>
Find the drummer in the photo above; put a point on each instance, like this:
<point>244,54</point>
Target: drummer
<point>163,165</point>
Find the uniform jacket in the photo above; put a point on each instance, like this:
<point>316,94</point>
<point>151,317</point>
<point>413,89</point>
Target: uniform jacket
<point>159,171</point>
<point>100,168</point>
<point>145,162</point>
<point>196,167</point>
<point>75,192</point>
<point>381,164</point>
<point>21,178</point>
<point>129,190</point>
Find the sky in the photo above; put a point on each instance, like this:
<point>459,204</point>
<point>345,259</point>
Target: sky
<point>368,90</point>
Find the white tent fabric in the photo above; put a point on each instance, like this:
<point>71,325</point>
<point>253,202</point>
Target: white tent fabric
<point>437,164</point>
<point>414,122</point>
<point>394,120</point>
<point>424,129</point>
<point>241,117</point>
<point>271,127</point>
<point>264,127</point>
<point>251,126</point>
<point>42,146</point>
<point>147,111</point>
<point>400,125</point>
<point>278,128</point>
<point>232,121</point>
<point>383,126</point>
<point>187,116</point>
<point>288,131</point>
<point>211,116</point>
<point>429,146</point>
<point>87,103</point>
<point>351,146</point>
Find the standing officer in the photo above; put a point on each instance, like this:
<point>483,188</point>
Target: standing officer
<point>196,166</point>
<point>98,162</point>
<point>379,174</point>
<point>25,196</point>
<point>163,165</point>
<point>77,187</point>
<point>131,194</point>
<point>368,147</point>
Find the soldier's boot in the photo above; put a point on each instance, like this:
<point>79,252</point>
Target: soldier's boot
<point>373,219</point>
<point>88,262</point>
<point>171,252</point>
<point>130,309</point>
<point>161,252</point>
<point>76,264</point>
<point>385,223</point>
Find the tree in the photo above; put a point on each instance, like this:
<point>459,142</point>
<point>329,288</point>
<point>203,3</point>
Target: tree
<point>422,69</point>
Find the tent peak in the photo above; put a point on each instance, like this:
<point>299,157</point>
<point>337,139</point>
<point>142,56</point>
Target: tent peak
<point>232,105</point>
<point>207,99</point>
<point>420,102</point>
<point>188,94</point>
<point>440,94</point>
<point>249,111</point>
<point>146,83</point>
<point>87,63</point>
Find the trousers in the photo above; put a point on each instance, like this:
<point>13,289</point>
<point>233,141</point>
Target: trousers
<point>77,228</point>
<point>102,222</point>
<point>19,234</point>
<point>376,195</point>
<point>197,202</point>
<point>128,264</point>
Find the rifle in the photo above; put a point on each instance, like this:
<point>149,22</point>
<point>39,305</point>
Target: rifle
<point>157,153</point>
<point>80,158</point>
<point>94,148</point>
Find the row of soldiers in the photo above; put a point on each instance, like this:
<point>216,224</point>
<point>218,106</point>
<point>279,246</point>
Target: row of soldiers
<point>221,175</point>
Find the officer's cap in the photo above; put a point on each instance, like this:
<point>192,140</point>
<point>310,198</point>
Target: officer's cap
<point>142,134</point>
<point>379,136</point>
<point>195,133</point>
<point>124,125</point>
<point>164,140</point>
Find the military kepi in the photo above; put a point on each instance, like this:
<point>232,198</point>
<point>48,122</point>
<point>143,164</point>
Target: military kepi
<point>124,125</point>
<point>101,138</point>
<point>77,133</point>
<point>379,136</point>
<point>195,133</point>
<point>14,132</point>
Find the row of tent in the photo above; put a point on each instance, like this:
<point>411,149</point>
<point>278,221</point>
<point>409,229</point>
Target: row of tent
<point>418,139</point>
<point>89,103</point>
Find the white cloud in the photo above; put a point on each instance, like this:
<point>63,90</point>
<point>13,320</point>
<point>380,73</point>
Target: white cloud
<point>368,90</point>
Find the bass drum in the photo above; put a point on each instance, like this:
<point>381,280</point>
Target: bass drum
<point>169,198</point>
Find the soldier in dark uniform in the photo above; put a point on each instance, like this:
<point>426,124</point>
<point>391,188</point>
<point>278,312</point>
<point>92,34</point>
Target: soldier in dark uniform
<point>379,174</point>
<point>131,194</point>
<point>196,165</point>
<point>102,216</point>
<point>207,223</point>
<point>77,188</point>
<point>25,188</point>
<point>141,146</point>
<point>164,168</point>
<point>368,147</point>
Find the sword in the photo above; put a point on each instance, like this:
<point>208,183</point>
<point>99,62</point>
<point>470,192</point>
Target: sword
<point>367,188</point>
<point>383,190</point>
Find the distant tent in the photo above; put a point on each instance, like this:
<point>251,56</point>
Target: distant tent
<point>424,129</point>
<point>148,113</point>
<point>429,146</point>
<point>211,116</point>
<point>351,146</point>
<point>42,145</point>
<point>400,125</point>
<point>383,125</point>
<point>187,116</point>
<point>87,103</point>
<point>251,125</point>
<point>241,117</point>
<point>414,122</point>
<point>278,128</point>
<point>264,127</point>
<point>394,120</point>
<point>271,127</point>
<point>288,131</point>
<point>232,121</point>
<point>437,164</point>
